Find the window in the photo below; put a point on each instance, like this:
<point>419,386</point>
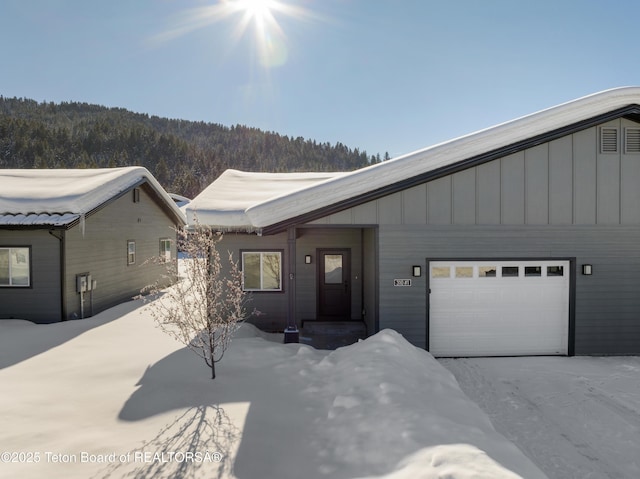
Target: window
<point>533,271</point>
<point>136,195</point>
<point>464,271</point>
<point>165,250</point>
<point>261,270</point>
<point>440,272</point>
<point>15,267</point>
<point>510,271</point>
<point>487,271</point>
<point>555,271</point>
<point>131,252</point>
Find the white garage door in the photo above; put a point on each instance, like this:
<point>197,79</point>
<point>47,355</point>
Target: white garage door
<point>498,308</point>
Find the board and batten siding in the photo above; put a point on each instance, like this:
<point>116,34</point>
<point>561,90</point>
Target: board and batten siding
<point>41,302</point>
<point>563,198</point>
<point>561,182</point>
<point>100,248</point>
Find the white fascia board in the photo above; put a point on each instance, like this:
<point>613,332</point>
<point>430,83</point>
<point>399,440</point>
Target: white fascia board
<point>371,178</point>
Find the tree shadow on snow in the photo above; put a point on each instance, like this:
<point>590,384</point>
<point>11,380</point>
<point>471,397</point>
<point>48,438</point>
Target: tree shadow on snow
<point>269,439</point>
<point>197,443</point>
<point>23,340</point>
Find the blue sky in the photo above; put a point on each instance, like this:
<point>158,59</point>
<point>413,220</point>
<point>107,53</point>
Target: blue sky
<point>379,75</point>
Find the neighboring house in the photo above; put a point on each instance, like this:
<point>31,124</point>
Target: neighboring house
<point>75,242</point>
<point>519,239</point>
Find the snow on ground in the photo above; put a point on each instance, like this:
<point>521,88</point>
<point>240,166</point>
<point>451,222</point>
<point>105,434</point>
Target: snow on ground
<point>576,418</point>
<point>112,396</point>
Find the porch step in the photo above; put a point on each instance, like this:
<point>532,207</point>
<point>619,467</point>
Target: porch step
<point>332,334</point>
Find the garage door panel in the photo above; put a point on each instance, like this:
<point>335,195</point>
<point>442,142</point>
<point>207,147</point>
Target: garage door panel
<point>476,311</point>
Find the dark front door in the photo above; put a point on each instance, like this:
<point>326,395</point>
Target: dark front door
<point>334,286</point>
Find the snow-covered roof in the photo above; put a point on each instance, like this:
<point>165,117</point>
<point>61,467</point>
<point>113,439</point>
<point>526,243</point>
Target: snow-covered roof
<point>58,197</point>
<point>225,202</point>
<point>265,211</point>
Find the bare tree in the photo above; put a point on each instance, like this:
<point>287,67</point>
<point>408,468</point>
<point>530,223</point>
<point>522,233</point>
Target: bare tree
<point>205,307</point>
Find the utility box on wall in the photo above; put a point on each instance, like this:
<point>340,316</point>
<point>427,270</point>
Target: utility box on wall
<point>84,283</point>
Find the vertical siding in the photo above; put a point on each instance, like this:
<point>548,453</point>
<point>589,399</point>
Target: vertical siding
<point>41,302</point>
<point>415,206</point>
<point>438,201</point>
<point>464,196</point>
<point>584,176</point>
<point>488,193</point>
<point>561,181</point>
<point>608,186</point>
<point>512,186</point>
<point>630,189</point>
<point>537,185</point>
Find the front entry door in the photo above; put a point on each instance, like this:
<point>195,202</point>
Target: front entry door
<point>334,285</point>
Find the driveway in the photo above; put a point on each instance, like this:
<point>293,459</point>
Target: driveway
<point>573,417</point>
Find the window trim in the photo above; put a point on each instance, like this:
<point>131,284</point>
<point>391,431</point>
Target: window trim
<point>162,252</point>
<point>131,261</point>
<point>279,252</point>
<point>29,278</point>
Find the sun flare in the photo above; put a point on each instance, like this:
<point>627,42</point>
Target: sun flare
<point>259,19</point>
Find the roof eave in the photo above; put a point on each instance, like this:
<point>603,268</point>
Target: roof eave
<point>631,111</point>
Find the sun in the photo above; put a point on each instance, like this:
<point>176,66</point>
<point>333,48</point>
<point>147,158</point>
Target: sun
<point>255,18</point>
<point>258,10</point>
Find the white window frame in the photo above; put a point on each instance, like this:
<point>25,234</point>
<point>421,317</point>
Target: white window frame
<point>166,250</point>
<point>131,252</point>
<point>13,250</point>
<point>262,254</point>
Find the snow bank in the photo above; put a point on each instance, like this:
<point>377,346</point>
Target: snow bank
<point>116,391</point>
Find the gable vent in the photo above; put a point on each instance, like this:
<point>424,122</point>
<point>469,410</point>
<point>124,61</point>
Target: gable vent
<point>608,140</point>
<point>632,140</point>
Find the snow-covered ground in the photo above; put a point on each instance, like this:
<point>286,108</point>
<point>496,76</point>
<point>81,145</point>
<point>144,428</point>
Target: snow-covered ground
<point>112,396</point>
<point>576,418</point>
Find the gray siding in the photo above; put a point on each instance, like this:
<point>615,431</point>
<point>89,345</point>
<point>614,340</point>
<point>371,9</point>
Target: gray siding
<point>41,302</point>
<point>101,250</point>
<point>562,182</point>
<point>607,303</point>
<point>273,306</point>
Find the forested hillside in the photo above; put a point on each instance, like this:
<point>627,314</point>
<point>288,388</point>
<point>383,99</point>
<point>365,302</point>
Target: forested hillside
<point>185,156</point>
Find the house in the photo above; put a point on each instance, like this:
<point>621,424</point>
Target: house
<point>520,239</point>
<point>74,242</point>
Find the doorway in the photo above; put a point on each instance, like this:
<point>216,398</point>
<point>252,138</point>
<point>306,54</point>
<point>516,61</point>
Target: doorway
<point>334,284</point>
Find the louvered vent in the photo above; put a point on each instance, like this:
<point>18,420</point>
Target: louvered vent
<point>632,140</point>
<point>608,140</point>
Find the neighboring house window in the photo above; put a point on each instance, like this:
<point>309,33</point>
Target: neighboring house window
<point>131,252</point>
<point>261,270</point>
<point>136,195</point>
<point>165,250</point>
<point>15,266</point>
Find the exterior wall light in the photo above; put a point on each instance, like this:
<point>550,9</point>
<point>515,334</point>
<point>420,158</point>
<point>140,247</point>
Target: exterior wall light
<point>307,259</point>
<point>417,271</point>
<point>587,269</point>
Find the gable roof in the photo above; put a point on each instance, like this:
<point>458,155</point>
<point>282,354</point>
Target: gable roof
<point>60,197</point>
<point>225,202</point>
<point>351,189</point>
